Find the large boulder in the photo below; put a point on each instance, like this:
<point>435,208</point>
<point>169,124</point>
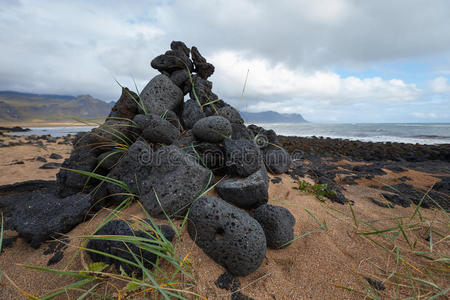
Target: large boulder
<point>160,95</point>
<point>245,193</point>
<point>242,157</point>
<point>157,130</point>
<point>212,129</point>
<point>43,215</point>
<point>174,182</point>
<point>127,251</point>
<point>228,235</point>
<point>191,113</point>
<point>277,223</point>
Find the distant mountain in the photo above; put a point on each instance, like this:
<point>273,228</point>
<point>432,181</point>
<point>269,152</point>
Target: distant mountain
<point>271,117</point>
<point>27,107</point>
<point>20,107</point>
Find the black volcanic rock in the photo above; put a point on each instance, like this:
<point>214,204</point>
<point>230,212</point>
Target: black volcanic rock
<point>191,114</point>
<point>126,106</point>
<point>228,235</point>
<point>277,223</point>
<point>160,95</point>
<point>174,182</point>
<point>42,215</point>
<point>245,193</point>
<point>242,157</point>
<point>212,129</point>
<point>126,251</point>
<point>202,67</point>
<point>157,130</point>
<point>231,114</point>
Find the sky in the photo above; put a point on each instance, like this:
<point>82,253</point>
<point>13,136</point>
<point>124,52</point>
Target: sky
<point>341,61</point>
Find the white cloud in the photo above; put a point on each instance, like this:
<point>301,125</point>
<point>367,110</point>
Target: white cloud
<point>439,85</point>
<point>423,115</point>
<point>280,83</point>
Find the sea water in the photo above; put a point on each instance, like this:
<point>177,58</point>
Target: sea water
<point>424,133</point>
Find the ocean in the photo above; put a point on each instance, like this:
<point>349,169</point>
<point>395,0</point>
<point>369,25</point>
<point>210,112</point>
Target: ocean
<point>423,133</point>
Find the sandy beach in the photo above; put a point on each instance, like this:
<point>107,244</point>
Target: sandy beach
<point>331,260</point>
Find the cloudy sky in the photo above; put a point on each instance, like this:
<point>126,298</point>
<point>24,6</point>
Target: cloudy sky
<point>330,60</point>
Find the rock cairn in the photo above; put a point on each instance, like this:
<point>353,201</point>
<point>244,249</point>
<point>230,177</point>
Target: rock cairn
<point>169,152</point>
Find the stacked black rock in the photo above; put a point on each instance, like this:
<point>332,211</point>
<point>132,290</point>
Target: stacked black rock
<point>169,152</point>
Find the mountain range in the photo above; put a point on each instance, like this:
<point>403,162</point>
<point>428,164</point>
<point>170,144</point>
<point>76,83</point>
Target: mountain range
<point>27,107</point>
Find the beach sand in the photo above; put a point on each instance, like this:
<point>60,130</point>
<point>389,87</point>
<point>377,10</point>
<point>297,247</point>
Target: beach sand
<point>323,264</point>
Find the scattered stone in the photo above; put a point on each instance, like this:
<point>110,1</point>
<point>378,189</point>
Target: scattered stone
<point>55,258</point>
<point>160,95</point>
<point>378,285</point>
<point>51,165</point>
<point>212,129</point>
<point>55,156</point>
<point>228,282</point>
<point>277,223</point>
<point>126,250</point>
<point>19,162</point>
<point>41,159</point>
<point>276,180</point>
<point>381,204</point>
<point>8,243</point>
<point>245,193</point>
<point>228,235</point>
<point>396,199</point>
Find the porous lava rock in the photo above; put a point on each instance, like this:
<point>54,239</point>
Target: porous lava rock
<point>277,223</point>
<point>173,183</point>
<point>228,235</point>
<point>242,157</point>
<point>160,95</point>
<point>212,129</point>
<point>128,250</point>
<point>202,67</point>
<point>132,168</point>
<point>42,215</point>
<point>245,193</point>
<point>157,130</point>
<point>127,105</point>
<point>191,113</point>
<point>231,114</point>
